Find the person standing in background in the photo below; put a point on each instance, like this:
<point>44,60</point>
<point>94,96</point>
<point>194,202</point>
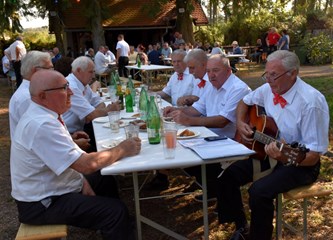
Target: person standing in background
<point>15,52</point>
<point>273,38</point>
<point>123,51</point>
<point>284,41</point>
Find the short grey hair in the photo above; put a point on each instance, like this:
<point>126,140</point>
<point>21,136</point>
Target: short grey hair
<point>290,60</point>
<point>82,63</point>
<point>222,58</point>
<point>198,55</point>
<point>178,52</point>
<point>31,60</point>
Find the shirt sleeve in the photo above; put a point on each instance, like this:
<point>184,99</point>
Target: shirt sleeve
<point>62,151</point>
<point>81,107</point>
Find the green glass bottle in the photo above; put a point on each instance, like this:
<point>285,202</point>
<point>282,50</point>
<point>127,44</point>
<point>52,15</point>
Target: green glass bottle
<point>120,94</point>
<point>130,85</point>
<point>153,122</point>
<point>143,104</point>
<point>128,101</point>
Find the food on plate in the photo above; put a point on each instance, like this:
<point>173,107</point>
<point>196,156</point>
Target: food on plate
<point>136,115</point>
<point>186,133</point>
<point>142,124</point>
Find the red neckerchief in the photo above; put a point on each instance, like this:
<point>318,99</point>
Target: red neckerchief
<point>180,76</point>
<point>279,99</point>
<point>202,83</point>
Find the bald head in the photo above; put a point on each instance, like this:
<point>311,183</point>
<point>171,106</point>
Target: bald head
<point>47,88</point>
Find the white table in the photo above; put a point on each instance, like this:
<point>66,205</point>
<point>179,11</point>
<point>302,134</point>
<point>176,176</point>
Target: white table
<point>150,69</point>
<point>147,160</point>
<point>235,55</point>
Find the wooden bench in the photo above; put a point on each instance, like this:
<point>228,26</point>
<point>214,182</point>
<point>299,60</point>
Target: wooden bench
<point>39,232</point>
<point>305,192</point>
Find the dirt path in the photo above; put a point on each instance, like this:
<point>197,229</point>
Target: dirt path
<point>189,219</point>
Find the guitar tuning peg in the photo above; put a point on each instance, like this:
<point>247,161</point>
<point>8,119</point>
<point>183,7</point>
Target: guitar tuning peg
<point>294,144</point>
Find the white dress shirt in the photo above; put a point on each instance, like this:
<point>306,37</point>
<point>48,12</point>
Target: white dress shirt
<point>101,62</point>
<point>124,48</point>
<point>304,119</point>
<point>199,92</point>
<point>223,102</point>
<point>179,88</point>
<point>12,50</point>
<point>18,105</point>
<point>41,155</point>
<point>83,102</point>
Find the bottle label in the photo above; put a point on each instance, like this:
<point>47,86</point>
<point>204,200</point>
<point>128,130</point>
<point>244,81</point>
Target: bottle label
<point>152,133</point>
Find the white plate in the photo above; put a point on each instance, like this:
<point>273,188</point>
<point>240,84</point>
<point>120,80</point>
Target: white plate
<point>129,115</point>
<point>111,144</point>
<point>102,119</point>
<point>122,124</point>
<point>187,137</point>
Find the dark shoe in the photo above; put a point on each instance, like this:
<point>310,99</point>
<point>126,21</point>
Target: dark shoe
<point>241,234</point>
<point>159,182</point>
<point>199,198</point>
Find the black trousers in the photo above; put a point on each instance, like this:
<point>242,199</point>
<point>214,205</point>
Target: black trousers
<point>17,70</point>
<point>122,70</point>
<point>261,194</point>
<point>104,212</point>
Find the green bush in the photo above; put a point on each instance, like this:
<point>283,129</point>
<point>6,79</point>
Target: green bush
<point>319,48</point>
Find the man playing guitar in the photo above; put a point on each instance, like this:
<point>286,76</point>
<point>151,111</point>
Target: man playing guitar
<point>301,114</point>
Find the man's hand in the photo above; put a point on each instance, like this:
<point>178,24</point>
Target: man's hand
<point>245,132</point>
<point>187,100</point>
<point>83,143</point>
<point>80,134</point>
<point>86,188</point>
<point>131,146</point>
<point>179,117</point>
<point>167,110</point>
<point>81,139</point>
<point>113,107</point>
<point>274,152</point>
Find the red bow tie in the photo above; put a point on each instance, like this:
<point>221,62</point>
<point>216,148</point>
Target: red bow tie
<point>60,120</point>
<point>279,99</point>
<point>180,76</point>
<point>202,83</point>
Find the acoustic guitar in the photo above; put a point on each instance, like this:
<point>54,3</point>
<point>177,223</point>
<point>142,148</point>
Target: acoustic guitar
<point>265,131</point>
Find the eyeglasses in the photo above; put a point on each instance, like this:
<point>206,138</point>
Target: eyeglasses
<point>265,76</point>
<point>47,68</point>
<point>58,88</point>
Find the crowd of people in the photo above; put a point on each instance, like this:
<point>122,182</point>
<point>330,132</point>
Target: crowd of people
<point>55,168</point>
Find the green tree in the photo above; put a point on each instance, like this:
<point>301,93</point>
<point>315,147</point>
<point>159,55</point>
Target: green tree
<point>10,19</point>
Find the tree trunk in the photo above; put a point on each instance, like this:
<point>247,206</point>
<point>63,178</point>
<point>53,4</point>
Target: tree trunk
<point>184,21</point>
<point>96,26</point>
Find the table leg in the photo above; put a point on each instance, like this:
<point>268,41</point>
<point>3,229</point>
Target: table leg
<point>204,202</point>
<point>137,204</point>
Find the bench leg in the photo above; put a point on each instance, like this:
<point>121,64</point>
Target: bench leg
<point>305,218</point>
<point>278,224</point>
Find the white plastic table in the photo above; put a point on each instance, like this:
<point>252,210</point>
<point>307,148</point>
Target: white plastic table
<point>150,69</point>
<point>151,157</point>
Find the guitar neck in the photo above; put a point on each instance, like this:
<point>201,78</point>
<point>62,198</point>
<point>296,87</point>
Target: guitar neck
<point>265,139</point>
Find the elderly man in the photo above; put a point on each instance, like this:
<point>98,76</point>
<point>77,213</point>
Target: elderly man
<point>47,167</point>
<point>181,81</point>
<point>21,100</point>
<point>216,110</point>
<point>86,105</point>
<point>196,61</point>
<point>301,114</point>
<point>101,61</point>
